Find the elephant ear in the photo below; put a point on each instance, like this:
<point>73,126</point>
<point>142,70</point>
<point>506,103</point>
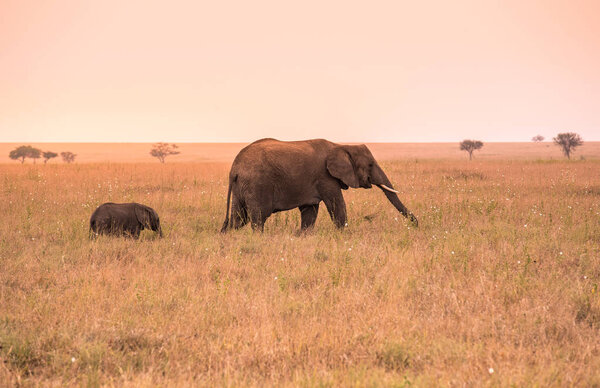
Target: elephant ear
<point>143,215</point>
<point>340,166</point>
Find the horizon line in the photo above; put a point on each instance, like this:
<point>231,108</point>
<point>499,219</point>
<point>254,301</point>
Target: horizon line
<point>243,142</point>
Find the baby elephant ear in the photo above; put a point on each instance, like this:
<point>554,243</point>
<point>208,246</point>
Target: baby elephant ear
<point>143,215</point>
<point>340,166</point>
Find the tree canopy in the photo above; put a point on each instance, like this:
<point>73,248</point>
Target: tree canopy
<point>470,146</point>
<point>162,150</point>
<point>22,152</point>
<point>68,156</point>
<point>568,141</point>
<point>49,155</point>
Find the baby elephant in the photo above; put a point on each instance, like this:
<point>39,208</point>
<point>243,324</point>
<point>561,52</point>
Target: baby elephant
<point>124,219</point>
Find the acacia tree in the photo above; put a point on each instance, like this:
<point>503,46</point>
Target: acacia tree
<point>49,155</point>
<point>162,150</point>
<point>537,138</point>
<point>68,156</point>
<point>470,146</point>
<point>568,141</point>
<point>35,155</point>
<point>22,152</point>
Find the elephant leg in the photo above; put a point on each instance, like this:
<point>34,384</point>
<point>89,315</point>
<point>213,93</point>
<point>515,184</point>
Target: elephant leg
<point>103,228</point>
<point>308,216</point>
<point>258,216</point>
<point>260,205</point>
<point>131,231</point>
<point>239,215</point>
<point>336,206</point>
<point>93,231</point>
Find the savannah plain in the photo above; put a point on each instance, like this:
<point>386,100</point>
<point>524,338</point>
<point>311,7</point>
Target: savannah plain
<point>497,286</point>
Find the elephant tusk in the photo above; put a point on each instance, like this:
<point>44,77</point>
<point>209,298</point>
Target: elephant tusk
<point>389,189</point>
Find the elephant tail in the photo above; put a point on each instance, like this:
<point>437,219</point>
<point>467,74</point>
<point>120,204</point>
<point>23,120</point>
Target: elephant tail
<point>226,223</point>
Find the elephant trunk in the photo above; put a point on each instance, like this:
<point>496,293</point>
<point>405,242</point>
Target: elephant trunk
<point>381,180</point>
<point>160,233</point>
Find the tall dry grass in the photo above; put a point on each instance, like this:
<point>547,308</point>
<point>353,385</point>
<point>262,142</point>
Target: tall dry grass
<point>498,285</point>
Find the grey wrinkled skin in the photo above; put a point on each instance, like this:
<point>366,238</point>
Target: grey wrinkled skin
<point>269,176</point>
<point>123,219</point>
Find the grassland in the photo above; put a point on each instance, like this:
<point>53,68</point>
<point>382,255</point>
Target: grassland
<point>498,285</point>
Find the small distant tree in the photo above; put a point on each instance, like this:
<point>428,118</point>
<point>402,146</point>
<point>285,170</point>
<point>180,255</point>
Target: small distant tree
<point>36,154</point>
<point>162,150</point>
<point>537,138</point>
<point>68,156</point>
<point>568,141</point>
<point>22,152</point>
<point>470,146</point>
<point>49,155</point>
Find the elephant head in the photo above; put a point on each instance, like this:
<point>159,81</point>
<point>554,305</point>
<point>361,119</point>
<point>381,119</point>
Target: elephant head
<point>148,218</point>
<point>354,166</point>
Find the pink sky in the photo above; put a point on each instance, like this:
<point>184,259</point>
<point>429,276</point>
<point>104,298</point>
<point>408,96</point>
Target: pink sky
<point>220,71</point>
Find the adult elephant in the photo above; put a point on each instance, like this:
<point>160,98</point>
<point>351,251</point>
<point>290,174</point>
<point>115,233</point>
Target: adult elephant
<point>124,219</point>
<point>269,176</point>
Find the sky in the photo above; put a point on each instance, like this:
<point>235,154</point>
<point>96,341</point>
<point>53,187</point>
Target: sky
<point>349,71</point>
